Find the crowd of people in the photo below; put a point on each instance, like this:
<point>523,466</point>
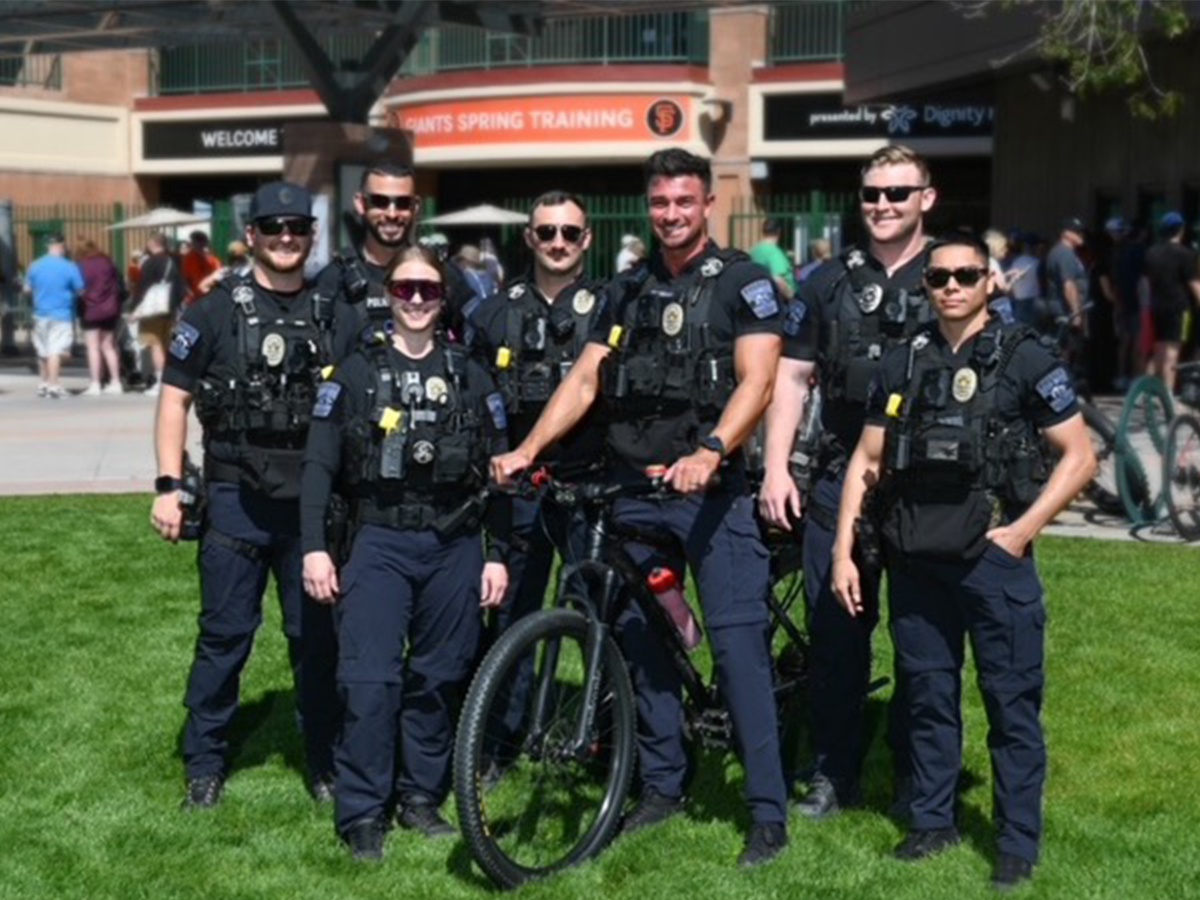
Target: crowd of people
<point>345,417</point>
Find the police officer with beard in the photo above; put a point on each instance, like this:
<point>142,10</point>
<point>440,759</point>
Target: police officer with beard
<point>530,335</point>
<point>387,206</point>
<point>685,353</point>
<point>951,449</point>
<point>841,322</point>
<point>404,428</point>
<point>251,357</point>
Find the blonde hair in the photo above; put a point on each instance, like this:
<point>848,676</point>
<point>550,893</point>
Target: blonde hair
<point>897,155</point>
<point>997,243</point>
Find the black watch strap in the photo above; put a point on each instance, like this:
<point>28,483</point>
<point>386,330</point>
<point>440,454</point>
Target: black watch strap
<point>715,444</point>
<point>165,484</point>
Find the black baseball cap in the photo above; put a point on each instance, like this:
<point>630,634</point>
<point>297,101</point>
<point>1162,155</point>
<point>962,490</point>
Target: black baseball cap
<point>1075,224</point>
<point>281,198</point>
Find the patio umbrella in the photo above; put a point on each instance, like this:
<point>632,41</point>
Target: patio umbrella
<point>162,217</point>
<point>485,214</point>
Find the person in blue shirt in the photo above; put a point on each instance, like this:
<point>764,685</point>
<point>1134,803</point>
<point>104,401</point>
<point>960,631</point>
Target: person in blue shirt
<point>55,281</point>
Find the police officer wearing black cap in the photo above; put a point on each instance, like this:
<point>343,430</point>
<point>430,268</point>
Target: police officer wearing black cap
<point>952,453</point>
<point>404,428</point>
<point>251,356</point>
<point>530,335</point>
<point>684,354</point>
<point>388,207</point>
<point>842,321</point>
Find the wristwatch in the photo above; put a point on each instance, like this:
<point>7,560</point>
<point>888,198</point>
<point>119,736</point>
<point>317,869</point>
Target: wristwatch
<point>165,484</point>
<point>715,444</point>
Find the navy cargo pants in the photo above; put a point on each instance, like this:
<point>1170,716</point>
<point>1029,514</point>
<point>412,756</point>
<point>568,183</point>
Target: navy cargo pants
<point>841,653</point>
<point>996,599</point>
<point>408,623</point>
<point>725,552</point>
<point>246,538</point>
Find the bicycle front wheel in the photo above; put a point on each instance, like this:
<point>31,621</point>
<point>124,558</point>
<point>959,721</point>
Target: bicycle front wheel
<point>530,801</point>
<point>1181,476</point>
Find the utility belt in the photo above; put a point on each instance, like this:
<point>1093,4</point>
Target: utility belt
<point>404,517</point>
<point>273,472</point>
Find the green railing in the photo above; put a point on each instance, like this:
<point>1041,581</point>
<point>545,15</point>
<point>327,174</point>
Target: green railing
<point>804,218</point>
<point>43,70</point>
<point>807,30</point>
<point>662,37</point>
<point>258,65</point>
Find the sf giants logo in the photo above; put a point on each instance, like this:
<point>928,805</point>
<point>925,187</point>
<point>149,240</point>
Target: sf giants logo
<point>664,118</point>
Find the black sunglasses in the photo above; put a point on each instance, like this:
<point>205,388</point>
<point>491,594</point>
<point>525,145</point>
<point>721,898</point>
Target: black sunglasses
<point>966,276</point>
<point>401,202</point>
<point>896,194</point>
<point>406,290</point>
<point>294,227</point>
<point>571,233</point>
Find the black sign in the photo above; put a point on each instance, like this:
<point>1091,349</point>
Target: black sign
<point>211,139</point>
<point>790,117</point>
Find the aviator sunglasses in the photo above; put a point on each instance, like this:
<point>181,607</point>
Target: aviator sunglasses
<point>571,233</point>
<point>401,202</point>
<point>897,194</point>
<point>406,290</point>
<point>966,276</point>
<point>294,227</point>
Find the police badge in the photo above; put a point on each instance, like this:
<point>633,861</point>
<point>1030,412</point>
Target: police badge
<point>672,319</point>
<point>584,302</point>
<point>274,349</point>
<point>436,390</point>
<point>870,298</point>
<point>965,382</point>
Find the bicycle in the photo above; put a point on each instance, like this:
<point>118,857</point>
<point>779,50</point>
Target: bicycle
<point>1181,459</point>
<point>547,792</point>
<point>1146,413</point>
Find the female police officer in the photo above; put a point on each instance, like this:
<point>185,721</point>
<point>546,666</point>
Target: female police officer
<point>405,429</point>
<point>951,444</point>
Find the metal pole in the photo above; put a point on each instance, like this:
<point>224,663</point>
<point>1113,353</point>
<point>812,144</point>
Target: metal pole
<point>8,280</point>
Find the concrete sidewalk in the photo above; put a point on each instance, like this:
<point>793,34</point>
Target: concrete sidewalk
<point>106,445</point>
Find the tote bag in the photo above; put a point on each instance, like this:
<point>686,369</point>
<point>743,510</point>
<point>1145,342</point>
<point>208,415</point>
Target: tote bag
<point>157,299</point>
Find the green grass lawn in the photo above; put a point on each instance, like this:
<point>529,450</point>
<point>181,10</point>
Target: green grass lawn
<point>99,620</point>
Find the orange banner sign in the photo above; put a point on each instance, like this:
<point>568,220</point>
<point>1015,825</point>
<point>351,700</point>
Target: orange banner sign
<point>551,119</point>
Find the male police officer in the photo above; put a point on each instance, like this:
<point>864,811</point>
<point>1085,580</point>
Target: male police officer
<point>951,445</point>
<point>387,206</point>
<point>530,335</point>
<point>845,316</point>
<point>251,356</point>
<point>685,355</point>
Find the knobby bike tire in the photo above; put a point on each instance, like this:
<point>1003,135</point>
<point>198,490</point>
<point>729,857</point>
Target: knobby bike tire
<point>1181,476</point>
<point>1104,489</point>
<point>495,841</point>
<point>1148,408</point>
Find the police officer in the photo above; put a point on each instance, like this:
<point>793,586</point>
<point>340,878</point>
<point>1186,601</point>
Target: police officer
<point>405,428</point>
<point>844,317</point>
<point>530,335</point>
<point>251,356</point>
<point>388,207</point>
<point>951,442</point>
<point>685,354</point>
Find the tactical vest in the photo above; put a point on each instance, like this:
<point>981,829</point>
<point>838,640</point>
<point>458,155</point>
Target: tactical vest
<point>364,290</point>
<point>541,343</point>
<point>666,358</point>
<point>266,404</point>
<point>945,431</point>
<point>420,439</point>
<point>867,321</point>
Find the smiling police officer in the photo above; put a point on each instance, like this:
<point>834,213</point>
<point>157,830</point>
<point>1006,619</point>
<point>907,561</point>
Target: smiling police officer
<point>843,319</point>
<point>405,429</point>
<point>251,357</point>
<point>951,449</point>
<point>685,354</point>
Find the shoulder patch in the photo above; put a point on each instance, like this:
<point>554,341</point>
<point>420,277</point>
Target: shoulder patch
<point>495,405</point>
<point>327,394</point>
<point>797,309</point>
<point>1056,389</point>
<point>760,297</point>
<point>185,337</point>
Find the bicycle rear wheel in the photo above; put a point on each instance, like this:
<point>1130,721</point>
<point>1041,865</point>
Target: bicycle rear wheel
<point>1181,476</point>
<point>527,805</point>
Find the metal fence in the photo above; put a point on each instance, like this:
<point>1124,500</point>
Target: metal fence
<point>43,70</point>
<point>803,217</point>
<point>807,30</point>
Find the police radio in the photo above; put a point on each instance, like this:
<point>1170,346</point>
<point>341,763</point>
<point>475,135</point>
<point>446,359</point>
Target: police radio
<point>355,279</point>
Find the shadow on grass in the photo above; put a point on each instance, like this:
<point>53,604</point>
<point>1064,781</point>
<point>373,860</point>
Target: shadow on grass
<point>260,730</point>
<point>460,865</point>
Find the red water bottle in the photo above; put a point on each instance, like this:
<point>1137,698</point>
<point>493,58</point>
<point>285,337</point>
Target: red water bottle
<point>669,594</point>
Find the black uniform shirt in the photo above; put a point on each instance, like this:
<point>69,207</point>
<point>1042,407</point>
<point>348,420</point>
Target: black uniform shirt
<point>489,332</point>
<point>1035,387</point>
<point>815,303</point>
<point>204,343</point>
<point>344,398</point>
<point>732,314</point>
